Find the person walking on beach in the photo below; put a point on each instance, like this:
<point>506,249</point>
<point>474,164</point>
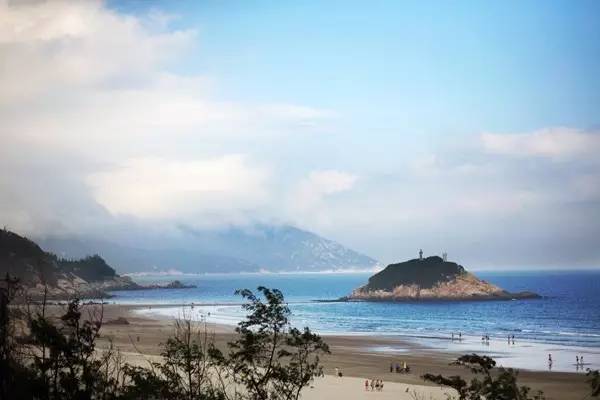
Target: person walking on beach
<point>549,362</point>
<point>453,336</point>
<point>391,367</point>
<point>367,385</point>
<point>581,360</point>
<point>577,361</point>
<point>460,336</point>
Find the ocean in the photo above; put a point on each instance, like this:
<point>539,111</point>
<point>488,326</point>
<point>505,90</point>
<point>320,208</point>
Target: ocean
<point>566,320</point>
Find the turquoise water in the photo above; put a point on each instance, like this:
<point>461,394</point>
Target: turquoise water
<point>568,315</point>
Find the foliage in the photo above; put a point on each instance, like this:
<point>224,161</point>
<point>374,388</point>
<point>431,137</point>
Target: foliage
<point>91,268</point>
<point>55,357</point>
<point>594,381</point>
<point>496,385</point>
<point>271,359</point>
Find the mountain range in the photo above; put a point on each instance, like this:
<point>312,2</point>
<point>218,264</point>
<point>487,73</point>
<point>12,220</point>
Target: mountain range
<point>275,248</point>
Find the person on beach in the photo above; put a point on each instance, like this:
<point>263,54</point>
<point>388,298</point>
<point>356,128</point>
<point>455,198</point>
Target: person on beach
<point>391,367</point>
<point>460,336</point>
<point>397,368</point>
<point>367,385</point>
<point>453,336</point>
<point>513,339</point>
<point>549,362</point>
<point>372,385</point>
<point>577,360</point>
<point>337,371</point>
<point>581,360</point>
<point>405,367</point>
<point>381,386</point>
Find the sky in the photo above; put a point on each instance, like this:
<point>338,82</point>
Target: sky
<point>469,128</point>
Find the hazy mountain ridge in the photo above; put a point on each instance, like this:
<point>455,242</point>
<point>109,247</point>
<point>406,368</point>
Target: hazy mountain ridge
<point>250,249</point>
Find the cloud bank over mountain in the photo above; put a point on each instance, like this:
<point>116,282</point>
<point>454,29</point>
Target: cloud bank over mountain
<point>106,133</point>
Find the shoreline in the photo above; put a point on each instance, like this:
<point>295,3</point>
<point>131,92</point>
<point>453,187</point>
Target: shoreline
<point>360,357</point>
<point>523,353</point>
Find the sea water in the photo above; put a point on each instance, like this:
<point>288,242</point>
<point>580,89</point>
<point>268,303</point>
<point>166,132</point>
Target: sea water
<point>564,322</point>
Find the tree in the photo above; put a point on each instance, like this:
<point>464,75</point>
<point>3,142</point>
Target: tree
<point>270,358</point>
<point>594,381</point>
<point>497,385</point>
<point>13,374</point>
<point>189,369</point>
<point>63,352</point>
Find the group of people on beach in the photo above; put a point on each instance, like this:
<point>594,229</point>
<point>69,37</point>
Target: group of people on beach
<point>459,337</point>
<point>400,370</point>
<point>578,362</point>
<point>376,385</point>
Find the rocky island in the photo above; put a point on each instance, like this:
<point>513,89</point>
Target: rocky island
<point>430,278</point>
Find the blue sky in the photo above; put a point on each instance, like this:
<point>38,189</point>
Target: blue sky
<point>466,127</point>
<point>426,67</point>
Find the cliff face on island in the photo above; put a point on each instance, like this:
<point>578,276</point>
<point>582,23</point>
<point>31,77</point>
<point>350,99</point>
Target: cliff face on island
<point>430,278</point>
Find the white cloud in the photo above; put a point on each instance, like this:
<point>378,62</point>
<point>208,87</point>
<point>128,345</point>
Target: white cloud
<point>88,92</point>
<point>307,201</point>
<point>556,143</point>
<point>159,188</point>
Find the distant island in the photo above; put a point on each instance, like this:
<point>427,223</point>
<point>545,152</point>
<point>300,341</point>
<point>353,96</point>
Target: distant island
<point>430,278</point>
<point>42,272</point>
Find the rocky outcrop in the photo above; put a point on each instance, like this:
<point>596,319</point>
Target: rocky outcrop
<point>430,279</point>
<point>171,285</point>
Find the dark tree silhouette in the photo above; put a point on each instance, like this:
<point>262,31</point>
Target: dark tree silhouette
<point>270,358</point>
<point>500,384</point>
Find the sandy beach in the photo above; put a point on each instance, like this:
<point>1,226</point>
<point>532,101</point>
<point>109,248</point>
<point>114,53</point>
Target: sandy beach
<point>139,341</point>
